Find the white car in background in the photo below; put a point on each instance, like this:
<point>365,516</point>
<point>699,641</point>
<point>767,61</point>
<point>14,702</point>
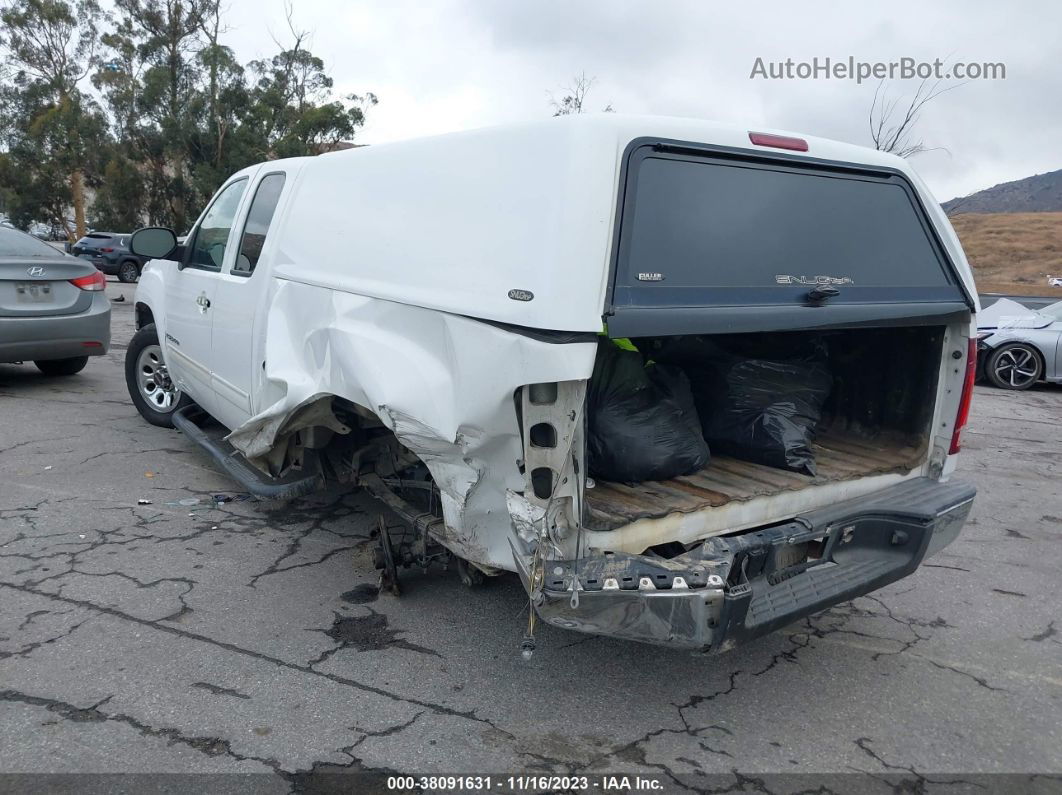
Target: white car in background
<point>1018,346</point>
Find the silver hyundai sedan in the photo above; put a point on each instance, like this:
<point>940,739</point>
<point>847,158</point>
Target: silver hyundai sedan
<point>53,311</point>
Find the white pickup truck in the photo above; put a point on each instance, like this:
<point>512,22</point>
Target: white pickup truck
<point>423,319</point>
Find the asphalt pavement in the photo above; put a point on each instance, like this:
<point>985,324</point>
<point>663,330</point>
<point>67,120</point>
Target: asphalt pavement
<point>148,627</point>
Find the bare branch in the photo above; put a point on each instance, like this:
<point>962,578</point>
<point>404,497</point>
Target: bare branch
<point>574,99</point>
<point>892,132</point>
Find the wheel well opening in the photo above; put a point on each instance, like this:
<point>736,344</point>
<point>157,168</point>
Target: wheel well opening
<point>144,316</point>
<point>372,447</point>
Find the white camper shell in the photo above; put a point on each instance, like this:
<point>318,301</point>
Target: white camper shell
<point>423,318</point>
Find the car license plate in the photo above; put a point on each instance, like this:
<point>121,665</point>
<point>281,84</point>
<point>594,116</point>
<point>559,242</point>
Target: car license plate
<point>33,293</point>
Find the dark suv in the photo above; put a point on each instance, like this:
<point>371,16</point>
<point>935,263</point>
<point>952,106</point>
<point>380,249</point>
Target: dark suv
<point>109,251</point>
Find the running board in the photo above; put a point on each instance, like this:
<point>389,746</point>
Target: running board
<point>309,479</point>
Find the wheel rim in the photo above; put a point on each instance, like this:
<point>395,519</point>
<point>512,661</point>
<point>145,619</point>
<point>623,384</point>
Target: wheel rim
<point>1016,367</point>
<point>129,272</point>
<point>154,380</point>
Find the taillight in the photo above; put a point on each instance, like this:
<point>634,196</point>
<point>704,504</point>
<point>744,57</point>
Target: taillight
<point>779,141</point>
<point>107,250</point>
<point>964,401</point>
<point>93,283</point>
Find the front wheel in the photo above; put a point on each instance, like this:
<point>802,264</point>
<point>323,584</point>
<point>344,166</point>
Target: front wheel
<point>1014,366</point>
<point>62,366</point>
<point>154,394</point>
<point>128,272</point>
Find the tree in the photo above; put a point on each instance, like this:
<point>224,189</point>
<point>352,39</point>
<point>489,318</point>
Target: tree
<point>57,128</point>
<point>892,129</point>
<point>177,113</point>
<point>167,35</point>
<point>119,202</point>
<point>574,99</point>
<point>292,108</point>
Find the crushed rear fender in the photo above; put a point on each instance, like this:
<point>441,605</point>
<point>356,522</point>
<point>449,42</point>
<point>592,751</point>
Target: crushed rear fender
<point>443,383</point>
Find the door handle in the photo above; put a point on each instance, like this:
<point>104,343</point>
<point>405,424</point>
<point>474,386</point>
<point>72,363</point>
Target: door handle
<point>203,302</point>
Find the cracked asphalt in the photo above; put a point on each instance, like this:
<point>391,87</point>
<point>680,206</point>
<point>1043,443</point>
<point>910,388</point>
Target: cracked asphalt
<point>188,635</point>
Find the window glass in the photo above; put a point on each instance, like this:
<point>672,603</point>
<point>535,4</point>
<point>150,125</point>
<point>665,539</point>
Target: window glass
<point>724,226</point>
<point>259,217</point>
<point>208,248</point>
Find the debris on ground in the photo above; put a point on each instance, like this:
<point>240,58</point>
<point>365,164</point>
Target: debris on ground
<point>221,499</point>
<point>142,501</point>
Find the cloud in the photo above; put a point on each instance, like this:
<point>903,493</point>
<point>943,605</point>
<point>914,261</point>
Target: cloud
<point>457,64</point>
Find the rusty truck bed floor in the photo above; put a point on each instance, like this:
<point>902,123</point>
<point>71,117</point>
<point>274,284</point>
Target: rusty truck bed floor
<point>838,456</point>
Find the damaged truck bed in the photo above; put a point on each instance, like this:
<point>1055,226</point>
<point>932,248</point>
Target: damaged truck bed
<point>726,480</point>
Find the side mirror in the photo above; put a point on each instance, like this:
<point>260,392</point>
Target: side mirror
<point>154,242</point>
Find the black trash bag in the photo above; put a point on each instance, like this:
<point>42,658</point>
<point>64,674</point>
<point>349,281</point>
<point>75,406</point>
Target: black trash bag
<point>642,421</point>
<point>763,410</point>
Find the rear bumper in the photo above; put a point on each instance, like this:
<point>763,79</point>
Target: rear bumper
<point>732,589</point>
<point>57,336</point>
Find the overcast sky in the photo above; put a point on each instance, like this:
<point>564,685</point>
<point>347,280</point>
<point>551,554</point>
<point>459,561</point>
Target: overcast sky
<point>444,65</point>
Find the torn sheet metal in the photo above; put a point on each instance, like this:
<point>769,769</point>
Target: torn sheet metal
<point>445,385</point>
<point>266,445</point>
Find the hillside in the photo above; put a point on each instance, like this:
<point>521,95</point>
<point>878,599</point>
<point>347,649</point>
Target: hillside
<point>1041,193</point>
<point>1012,252</point>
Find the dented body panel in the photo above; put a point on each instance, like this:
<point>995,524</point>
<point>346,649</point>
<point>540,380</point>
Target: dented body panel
<point>444,384</point>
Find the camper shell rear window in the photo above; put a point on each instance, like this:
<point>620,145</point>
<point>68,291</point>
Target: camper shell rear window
<point>715,229</point>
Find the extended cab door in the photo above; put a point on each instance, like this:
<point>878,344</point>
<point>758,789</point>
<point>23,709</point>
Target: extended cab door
<point>190,294</point>
<point>240,298</point>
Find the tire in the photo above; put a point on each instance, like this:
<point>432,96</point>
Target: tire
<point>128,271</point>
<point>146,378</point>
<point>1016,366</point>
<point>62,366</point>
